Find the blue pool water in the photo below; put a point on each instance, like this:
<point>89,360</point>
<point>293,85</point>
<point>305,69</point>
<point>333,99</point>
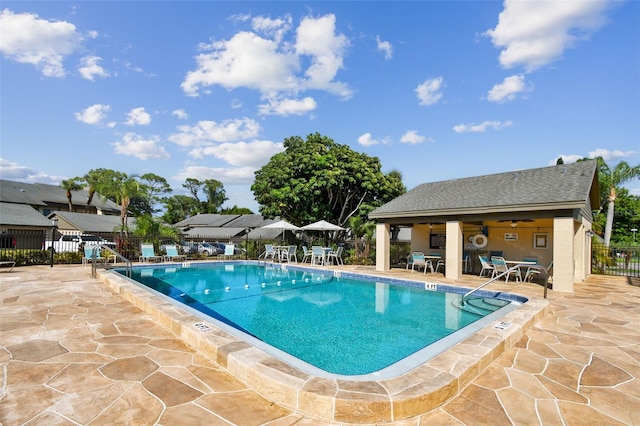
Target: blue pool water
<point>340,324</point>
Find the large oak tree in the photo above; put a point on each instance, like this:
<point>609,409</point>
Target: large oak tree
<point>316,179</point>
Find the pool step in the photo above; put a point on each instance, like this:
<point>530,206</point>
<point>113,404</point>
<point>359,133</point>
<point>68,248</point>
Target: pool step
<point>482,305</point>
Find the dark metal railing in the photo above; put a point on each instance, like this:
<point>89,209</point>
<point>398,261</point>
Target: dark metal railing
<point>615,260</point>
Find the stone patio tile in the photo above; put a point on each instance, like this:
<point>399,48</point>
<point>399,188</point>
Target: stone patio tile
<point>602,373</point>
<point>169,390</point>
<point>21,375</point>
<point>562,392</point>
<point>527,384</point>
<point>530,362</point>
<point>614,403</point>
<point>21,405</point>
<point>216,379</point>
<point>548,412</point>
<point>82,407</point>
<point>67,379</point>
<point>578,414</point>
<point>36,350</point>
<point>130,369</point>
<point>242,408</point>
<point>564,372</point>
<point>520,407</point>
<point>192,415</point>
<point>135,407</point>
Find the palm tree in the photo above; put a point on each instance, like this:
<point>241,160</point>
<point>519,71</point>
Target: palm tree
<point>70,185</point>
<point>610,180</point>
<point>120,188</point>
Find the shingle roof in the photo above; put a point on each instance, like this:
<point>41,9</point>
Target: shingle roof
<point>40,194</point>
<point>557,187</point>
<point>22,215</point>
<point>214,220</point>
<point>89,223</point>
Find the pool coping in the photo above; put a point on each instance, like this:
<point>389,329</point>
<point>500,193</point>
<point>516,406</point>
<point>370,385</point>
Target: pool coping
<point>358,402</point>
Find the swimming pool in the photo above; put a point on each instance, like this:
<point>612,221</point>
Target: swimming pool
<point>329,324</point>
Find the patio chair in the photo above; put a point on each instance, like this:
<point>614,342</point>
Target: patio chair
<point>533,273</point>
<point>288,253</point>
<point>500,266</point>
<point>172,254</point>
<point>88,256</point>
<point>486,265</point>
<point>148,254</point>
<point>269,252</point>
<point>417,259</point>
<point>439,263</point>
<point>317,255</point>
<point>306,254</point>
<point>336,255</point>
<point>466,260</point>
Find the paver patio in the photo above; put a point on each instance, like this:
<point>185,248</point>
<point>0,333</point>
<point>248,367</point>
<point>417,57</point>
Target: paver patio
<point>73,353</point>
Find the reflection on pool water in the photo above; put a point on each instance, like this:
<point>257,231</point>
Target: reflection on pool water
<point>321,321</point>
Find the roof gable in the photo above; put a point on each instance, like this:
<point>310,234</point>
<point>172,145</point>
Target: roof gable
<point>564,186</point>
<point>41,194</point>
<point>22,215</point>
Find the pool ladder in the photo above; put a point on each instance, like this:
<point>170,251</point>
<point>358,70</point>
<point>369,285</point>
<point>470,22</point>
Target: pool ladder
<point>508,271</point>
<point>94,253</point>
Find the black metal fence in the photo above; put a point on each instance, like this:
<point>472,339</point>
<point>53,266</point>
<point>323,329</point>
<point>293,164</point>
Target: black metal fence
<point>616,260</point>
<point>33,247</point>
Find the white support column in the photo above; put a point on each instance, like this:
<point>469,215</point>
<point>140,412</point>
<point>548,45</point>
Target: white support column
<point>563,253</point>
<point>453,256</point>
<point>383,247</point>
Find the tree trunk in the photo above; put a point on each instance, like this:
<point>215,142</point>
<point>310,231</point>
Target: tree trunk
<point>609,225</point>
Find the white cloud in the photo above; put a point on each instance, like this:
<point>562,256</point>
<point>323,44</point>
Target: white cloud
<point>94,114</point>
<point>143,148</point>
<point>228,176</point>
<point>206,133</point>
<point>385,47</point>
<point>250,154</point>
<point>367,140</point>
<point>317,38</point>
<point>430,92</point>
<point>138,117</point>
<point>275,28</point>
<point>480,128</point>
<point>90,68</point>
<point>10,170</point>
<point>287,107</point>
<point>27,39</point>
<point>412,137</point>
<point>180,113</point>
<point>533,34</point>
<point>509,89</point>
<point>273,66</point>
<point>606,154</point>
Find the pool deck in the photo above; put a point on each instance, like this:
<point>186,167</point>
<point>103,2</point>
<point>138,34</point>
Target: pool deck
<point>76,350</point>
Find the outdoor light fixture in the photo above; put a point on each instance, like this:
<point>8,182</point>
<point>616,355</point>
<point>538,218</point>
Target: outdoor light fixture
<point>514,223</point>
<point>590,233</point>
<point>54,225</point>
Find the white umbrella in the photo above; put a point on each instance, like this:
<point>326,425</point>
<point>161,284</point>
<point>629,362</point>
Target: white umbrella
<point>282,224</point>
<point>322,225</point>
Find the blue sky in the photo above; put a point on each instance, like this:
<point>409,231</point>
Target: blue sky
<point>437,90</point>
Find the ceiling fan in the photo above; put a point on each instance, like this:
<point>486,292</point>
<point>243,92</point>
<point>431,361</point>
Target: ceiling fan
<point>514,222</point>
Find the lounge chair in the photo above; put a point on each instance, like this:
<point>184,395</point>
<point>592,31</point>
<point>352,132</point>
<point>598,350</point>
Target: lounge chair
<point>229,251</point>
<point>173,255</point>
<point>148,253</point>
<point>500,266</point>
<point>89,256</point>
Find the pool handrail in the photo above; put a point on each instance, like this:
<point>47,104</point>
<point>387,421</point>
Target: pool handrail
<point>129,267</point>
<point>508,271</point>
